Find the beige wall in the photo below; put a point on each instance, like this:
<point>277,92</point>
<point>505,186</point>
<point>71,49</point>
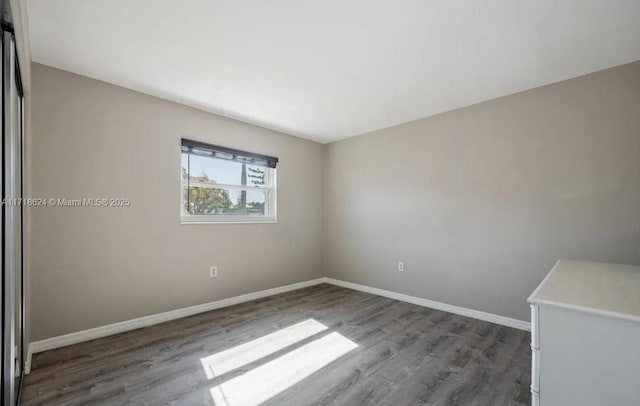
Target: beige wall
<point>480,202</point>
<point>95,266</point>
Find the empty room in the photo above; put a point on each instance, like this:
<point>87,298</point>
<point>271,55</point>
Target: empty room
<point>277,202</point>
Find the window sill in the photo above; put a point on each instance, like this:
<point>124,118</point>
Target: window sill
<point>228,221</point>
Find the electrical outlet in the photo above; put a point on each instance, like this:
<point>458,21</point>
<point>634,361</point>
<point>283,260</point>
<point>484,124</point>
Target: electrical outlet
<point>213,271</point>
<point>401,266</point>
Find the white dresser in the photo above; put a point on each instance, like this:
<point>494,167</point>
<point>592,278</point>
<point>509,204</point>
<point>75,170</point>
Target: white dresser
<point>585,336</point>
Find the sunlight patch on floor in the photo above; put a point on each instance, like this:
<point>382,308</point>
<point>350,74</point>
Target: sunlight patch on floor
<point>271,378</point>
<point>236,357</point>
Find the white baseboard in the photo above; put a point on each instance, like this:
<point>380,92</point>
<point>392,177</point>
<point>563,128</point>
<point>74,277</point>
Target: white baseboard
<point>463,311</point>
<point>121,327</point>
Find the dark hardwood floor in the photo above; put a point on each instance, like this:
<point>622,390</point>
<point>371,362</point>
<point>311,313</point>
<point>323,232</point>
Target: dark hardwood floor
<point>345,348</point>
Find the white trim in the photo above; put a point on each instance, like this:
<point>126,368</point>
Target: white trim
<point>128,325</point>
<point>463,311</point>
<point>213,185</point>
<point>227,220</point>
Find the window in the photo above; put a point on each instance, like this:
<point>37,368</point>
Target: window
<point>221,184</point>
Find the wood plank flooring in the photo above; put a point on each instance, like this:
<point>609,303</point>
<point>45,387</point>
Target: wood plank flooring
<point>405,355</point>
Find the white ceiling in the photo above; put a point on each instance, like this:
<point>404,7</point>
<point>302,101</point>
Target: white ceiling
<point>331,69</point>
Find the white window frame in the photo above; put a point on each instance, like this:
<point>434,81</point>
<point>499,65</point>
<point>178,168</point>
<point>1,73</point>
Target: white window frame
<point>269,204</point>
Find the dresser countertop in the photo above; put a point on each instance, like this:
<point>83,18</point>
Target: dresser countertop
<point>592,287</point>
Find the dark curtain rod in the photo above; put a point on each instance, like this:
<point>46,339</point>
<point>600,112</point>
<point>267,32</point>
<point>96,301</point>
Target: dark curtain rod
<point>216,151</point>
